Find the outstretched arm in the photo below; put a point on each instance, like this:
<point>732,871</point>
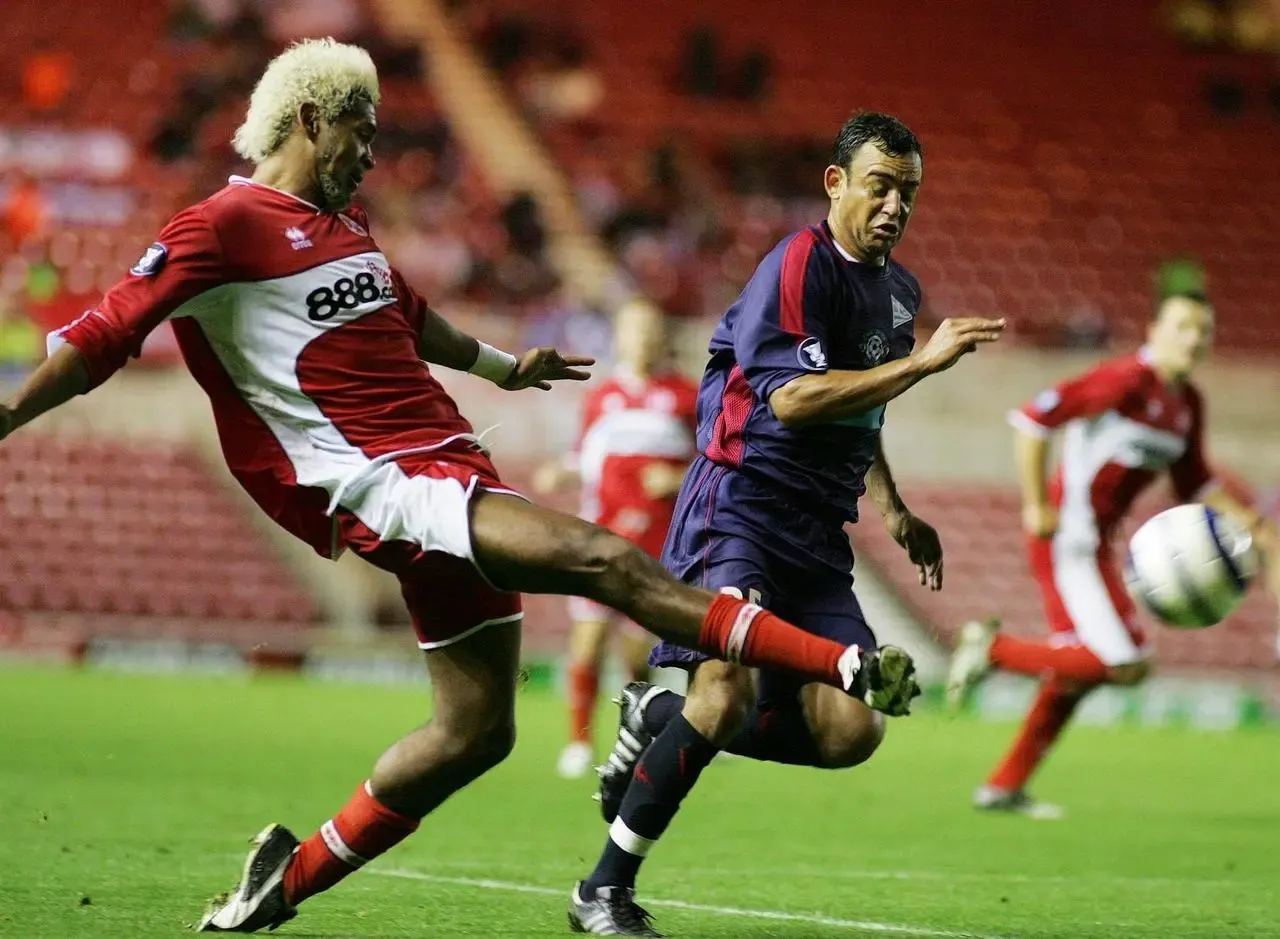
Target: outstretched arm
<point>838,394</point>
<point>56,381</point>
<point>441,343</point>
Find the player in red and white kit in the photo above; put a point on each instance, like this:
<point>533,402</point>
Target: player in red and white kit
<point>313,352</point>
<point>1123,423</point>
<point>636,441</point>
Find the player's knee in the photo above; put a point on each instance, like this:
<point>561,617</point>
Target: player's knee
<point>482,745</point>
<point>719,701</point>
<point>853,743</point>
<point>1131,673</point>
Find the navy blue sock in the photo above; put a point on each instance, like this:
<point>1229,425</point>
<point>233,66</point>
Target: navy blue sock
<point>662,708</point>
<point>774,733</point>
<point>663,777</point>
<point>777,734</point>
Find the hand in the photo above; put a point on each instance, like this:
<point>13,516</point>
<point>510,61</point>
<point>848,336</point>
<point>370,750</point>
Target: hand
<point>1039,520</point>
<point>539,367</point>
<point>6,421</point>
<point>957,337</point>
<point>661,480</point>
<point>923,545</point>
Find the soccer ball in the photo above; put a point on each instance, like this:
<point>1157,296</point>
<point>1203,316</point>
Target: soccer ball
<point>1190,566</point>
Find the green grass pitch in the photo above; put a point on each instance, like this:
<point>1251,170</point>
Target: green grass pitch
<point>128,800</point>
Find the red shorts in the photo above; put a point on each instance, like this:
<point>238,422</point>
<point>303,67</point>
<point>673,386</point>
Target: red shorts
<point>1085,600</point>
<point>411,518</point>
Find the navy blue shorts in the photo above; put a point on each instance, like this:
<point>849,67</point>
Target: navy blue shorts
<point>730,534</point>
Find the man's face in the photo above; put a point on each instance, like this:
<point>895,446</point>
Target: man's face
<point>1181,335</point>
<point>640,336</point>
<point>872,199</point>
<point>344,153</point>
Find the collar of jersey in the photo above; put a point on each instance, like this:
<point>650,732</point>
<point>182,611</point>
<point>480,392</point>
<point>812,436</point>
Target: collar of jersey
<point>862,265</point>
<point>246,181</point>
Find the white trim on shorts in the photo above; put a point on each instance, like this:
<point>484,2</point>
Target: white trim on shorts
<point>498,621</point>
<point>1078,580</point>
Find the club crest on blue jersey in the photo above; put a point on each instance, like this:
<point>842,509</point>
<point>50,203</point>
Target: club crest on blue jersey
<point>811,355</point>
<point>151,262</point>
<point>875,348</point>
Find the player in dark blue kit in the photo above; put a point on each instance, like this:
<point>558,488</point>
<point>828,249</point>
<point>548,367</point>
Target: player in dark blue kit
<point>789,418</point>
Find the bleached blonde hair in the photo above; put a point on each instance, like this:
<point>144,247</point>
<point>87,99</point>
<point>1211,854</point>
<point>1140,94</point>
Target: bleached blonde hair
<point>332,75</point>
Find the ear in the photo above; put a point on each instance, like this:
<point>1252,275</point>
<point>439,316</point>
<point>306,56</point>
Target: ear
<point>833,179</point>
<point>309,120</point>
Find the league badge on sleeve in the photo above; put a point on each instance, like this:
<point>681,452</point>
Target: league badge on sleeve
<point>1046,400</point>
<point>151,262</point>
<point>811,355</point>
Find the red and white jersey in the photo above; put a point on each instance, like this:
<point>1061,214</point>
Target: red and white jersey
<point>627,424</point>
<point>305,340</point>
<point>1123,426</point>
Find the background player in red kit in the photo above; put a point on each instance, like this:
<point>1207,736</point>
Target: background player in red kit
<point>635,444</point>
<point>313,352</point>
<point>1123,423</point>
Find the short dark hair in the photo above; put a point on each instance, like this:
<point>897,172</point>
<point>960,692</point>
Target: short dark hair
<point>884,130</point>
<point>1195,296</point>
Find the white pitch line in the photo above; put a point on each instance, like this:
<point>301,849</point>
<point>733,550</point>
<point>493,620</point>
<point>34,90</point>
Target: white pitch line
<point>775,915</point>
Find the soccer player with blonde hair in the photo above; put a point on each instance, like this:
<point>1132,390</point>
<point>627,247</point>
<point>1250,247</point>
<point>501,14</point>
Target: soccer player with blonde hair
<point>313,351</point>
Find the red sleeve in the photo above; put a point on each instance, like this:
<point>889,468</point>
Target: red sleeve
<point>1095,392</point>
<point>414,306</point>
<point>184,262</point>
<point>1191,474</point>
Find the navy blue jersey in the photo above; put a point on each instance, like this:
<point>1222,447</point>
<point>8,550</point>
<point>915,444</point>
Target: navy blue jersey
<point>807,308</point>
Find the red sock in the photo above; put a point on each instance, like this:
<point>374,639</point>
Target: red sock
<point>360,832</point>
<point>1049,715</point>
<point>742,632</point>
<point>584,685</point>
<point>1075,662</point>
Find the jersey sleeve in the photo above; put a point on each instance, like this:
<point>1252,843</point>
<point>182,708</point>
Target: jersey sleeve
<point>781,331</point>
<point>1089,395</point>
<point>184,262</point>
<point>1191,474</point>
<point>412,303</point>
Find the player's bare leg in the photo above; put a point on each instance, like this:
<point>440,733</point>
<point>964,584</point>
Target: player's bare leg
<point>526,548</point>
<point>586,655</point>
<point>471,730</point>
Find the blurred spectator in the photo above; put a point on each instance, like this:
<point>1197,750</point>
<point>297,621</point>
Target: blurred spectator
<point>21,342</point>
<point>700,71</point>
<point>24,213</point>
<point>755,76</point>
<point>46,78</point>
<point>1180,275</point>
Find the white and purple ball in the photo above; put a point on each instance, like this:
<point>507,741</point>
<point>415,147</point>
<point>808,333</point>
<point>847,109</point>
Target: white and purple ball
<point>1189,566</point>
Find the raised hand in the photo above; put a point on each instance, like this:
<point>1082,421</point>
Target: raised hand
<point>539,367</point>
<point>957,337</point>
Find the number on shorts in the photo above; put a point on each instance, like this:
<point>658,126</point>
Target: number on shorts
<point>753,595</point>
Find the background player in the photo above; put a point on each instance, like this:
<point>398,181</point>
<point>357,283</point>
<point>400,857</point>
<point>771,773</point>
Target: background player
<point>1123,423</point>
<point>313,352</point>
<point>789,417</point>
<point>635,444</point>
